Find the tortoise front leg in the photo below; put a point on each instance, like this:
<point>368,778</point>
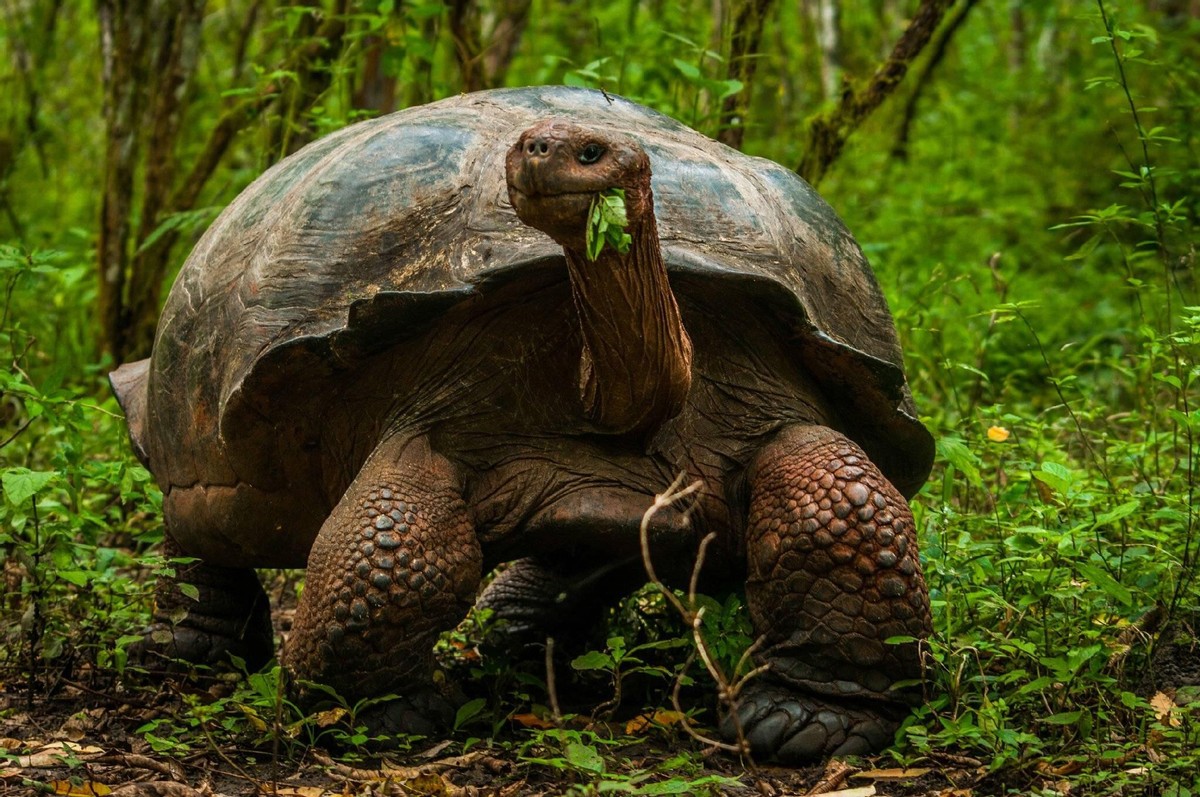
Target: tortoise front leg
<point>833,573</point>
<point>396,563</point>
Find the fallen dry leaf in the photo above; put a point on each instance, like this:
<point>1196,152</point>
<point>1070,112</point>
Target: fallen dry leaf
<point>859,791</point>
<point>892,774</point>
<point>52,755</point>
<point>1059,770</point>
<point>429,784</point>
<point>661,717</point>
<point>836,772</point>
<point>532,721</point>
<point>326,718</point>
<point>159,788</point>
<point>85,789</point>
<point>1164,709</point>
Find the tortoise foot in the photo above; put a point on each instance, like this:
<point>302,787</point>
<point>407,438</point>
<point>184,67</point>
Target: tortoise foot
<point>533,599</point>
<point>205,613</point>
<point>423,713</point>
<point>164,647</point>
<point>792,728</point>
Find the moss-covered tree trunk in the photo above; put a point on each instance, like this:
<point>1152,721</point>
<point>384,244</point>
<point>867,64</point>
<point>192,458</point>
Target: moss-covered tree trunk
<point>744,44</point>
<point>828,131</point>
<point>149,50</point>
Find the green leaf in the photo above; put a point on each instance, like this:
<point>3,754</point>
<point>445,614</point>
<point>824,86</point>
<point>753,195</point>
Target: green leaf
<point>468,711</point>
<point>1104,581</point>
<point>729,88</point>
<point>672,786</point>
<point>689,71</point>
<point>189,591</point>
<point>584,756</point>
<point>77,577</point>
<point>1124,510</point>
<point>1054,476</point>
<point>1066,718</point>
<point>955,451</point>
<point>607,219</point>
<point>593,660</point>
<point>20,484</point>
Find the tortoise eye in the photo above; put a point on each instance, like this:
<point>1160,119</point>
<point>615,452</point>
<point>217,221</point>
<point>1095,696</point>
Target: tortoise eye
<point>591,153</point>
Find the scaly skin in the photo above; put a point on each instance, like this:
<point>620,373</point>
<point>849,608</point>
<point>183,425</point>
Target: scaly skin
<point>833,573</point>
<point>395,564</point>
<point>537,597</point>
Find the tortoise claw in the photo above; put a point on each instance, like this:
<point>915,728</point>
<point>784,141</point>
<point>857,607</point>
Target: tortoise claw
<point>165,646</point>
<point>793,728</point>
<point>423,713</point>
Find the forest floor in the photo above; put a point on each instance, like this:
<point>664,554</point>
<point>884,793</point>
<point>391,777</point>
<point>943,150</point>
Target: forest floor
<point>84,731</point>
<point>83,741</point>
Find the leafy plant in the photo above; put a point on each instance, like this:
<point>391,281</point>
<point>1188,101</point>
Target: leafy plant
<point>606,224</point>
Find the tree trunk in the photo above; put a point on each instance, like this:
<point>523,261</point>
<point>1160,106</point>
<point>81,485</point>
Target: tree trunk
<point>744,41</point>
<point>32,48</point>
<point>827,22</point>
<point>503,39</point>
<point>827,132</point>
<point>124,42</point>
<point>940,47</point>
<point>172,69</point>
<point>465,33</point>
<point>149,50</point>
<point>376,90</point>
<point>311,77</point>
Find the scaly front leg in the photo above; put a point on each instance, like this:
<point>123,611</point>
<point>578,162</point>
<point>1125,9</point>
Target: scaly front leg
<point>833,573</point>
<point>396,563</point>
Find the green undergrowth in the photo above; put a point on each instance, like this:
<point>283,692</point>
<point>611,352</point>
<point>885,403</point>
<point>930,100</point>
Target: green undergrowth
<point>1037,247</point>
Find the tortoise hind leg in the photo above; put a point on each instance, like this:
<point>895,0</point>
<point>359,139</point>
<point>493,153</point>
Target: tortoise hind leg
<point>395,563</point>
<point>833,573</point>
<point>537,597</point>
<point>224,613</point>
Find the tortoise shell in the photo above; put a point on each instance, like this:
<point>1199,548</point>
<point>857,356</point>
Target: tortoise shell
<point>374,232</point>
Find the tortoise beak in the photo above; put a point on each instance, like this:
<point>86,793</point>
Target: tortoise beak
<point>560,214</point>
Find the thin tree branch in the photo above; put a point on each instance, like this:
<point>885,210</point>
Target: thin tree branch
<point>940,47</point>
<point>828,131</point>
<point>464,31</point>
<point>744,43</point>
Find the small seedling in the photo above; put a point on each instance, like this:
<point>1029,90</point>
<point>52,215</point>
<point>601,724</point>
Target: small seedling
<point>607,221</point>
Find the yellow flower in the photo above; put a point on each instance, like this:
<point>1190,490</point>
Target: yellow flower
<point>997,434</point>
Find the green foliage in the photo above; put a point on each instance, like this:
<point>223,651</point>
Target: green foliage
<point>67,484</point>
<point>591,761</point>
<point>606,223</point>
<point>1037,245</point>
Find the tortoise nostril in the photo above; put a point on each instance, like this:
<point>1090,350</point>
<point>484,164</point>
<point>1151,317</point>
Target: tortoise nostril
<point>537,147</point>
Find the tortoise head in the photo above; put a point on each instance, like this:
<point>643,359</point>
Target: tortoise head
<point>556,168</point>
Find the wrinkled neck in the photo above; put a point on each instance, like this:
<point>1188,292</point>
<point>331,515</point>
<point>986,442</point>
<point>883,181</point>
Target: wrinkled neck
<point>636,362</point>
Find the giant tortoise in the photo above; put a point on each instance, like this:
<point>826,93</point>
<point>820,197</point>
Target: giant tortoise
<point>390,361</point>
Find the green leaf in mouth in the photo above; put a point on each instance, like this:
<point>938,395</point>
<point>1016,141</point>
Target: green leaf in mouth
<point>607,221</point>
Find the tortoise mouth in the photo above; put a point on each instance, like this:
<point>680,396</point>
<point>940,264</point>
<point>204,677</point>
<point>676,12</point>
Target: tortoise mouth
<point>562,216</point>
<point>535,196</point>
